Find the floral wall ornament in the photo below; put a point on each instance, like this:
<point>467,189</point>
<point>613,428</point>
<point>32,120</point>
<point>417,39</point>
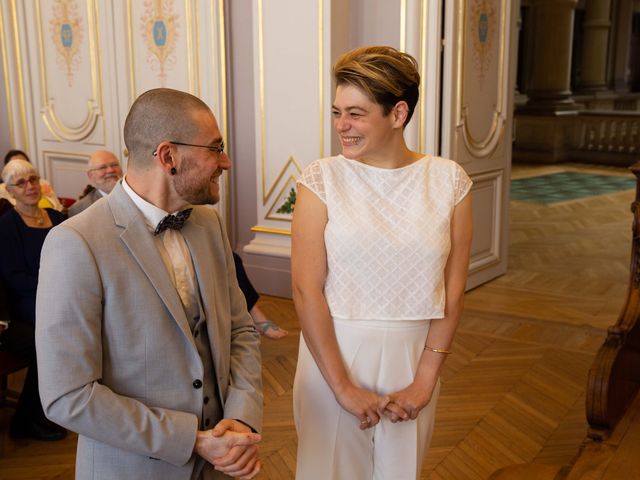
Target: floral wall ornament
<point>482,27</point>
<point>159,28</point>
<point>289,204</point>
<point>66,33</point>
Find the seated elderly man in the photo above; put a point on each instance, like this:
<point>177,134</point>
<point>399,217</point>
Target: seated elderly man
<point>103,173</point>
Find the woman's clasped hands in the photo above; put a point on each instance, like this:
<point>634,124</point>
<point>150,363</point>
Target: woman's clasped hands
<point>407,403</point>
<point>369,407</point>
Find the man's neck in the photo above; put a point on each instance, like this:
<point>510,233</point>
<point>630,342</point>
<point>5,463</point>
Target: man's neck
<point>154,187</point>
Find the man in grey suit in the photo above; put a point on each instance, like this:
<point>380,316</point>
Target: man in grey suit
<point>144,343</point>
<point>103,173</point>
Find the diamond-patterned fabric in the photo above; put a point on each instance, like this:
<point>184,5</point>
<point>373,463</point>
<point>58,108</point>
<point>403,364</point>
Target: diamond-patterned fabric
<point>173,222</point>
<point>387,235</point>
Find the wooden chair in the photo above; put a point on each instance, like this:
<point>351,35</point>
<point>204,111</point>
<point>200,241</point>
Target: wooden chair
<point>9,363</point>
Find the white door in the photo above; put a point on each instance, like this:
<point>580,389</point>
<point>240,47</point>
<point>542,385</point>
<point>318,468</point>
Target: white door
<point>477,117</point>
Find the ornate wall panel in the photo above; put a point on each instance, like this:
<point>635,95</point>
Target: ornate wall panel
<point>67,169</point>
<point>69,65</point>
<point>73,68</point>
<point>482,85</point>
<point>54,66</point>
<point>487,190</point>
<point>478,82</point>
<point>292,121</point>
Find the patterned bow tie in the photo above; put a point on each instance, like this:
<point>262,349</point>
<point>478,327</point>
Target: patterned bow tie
<point>174,222</point>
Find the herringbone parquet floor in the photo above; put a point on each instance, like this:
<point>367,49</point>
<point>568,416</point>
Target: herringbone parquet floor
<point>513,391</point>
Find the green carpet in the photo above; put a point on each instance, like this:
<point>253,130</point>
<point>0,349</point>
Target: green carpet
<point>563,186</point>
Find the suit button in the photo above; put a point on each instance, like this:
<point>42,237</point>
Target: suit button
<point>197,383</point>
<point>205,400</point>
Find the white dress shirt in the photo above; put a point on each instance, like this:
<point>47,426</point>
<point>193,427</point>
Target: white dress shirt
<point>174,253</point>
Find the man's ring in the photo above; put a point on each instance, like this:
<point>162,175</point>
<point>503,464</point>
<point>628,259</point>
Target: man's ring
<point>366,421</point>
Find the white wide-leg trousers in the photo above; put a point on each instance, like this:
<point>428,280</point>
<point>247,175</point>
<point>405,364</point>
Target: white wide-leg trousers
<point>381,356</point>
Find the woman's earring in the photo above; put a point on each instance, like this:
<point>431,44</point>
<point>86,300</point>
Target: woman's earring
<point>173,171</point>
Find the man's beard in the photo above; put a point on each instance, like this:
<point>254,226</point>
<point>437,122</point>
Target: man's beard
<point>192,188</point>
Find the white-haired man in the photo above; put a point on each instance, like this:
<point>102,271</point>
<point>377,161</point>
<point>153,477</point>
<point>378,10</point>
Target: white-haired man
<point>103,174</point>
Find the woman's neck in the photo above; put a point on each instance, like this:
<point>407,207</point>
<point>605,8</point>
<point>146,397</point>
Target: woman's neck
<point>32,210</point>
<point>396,157</point>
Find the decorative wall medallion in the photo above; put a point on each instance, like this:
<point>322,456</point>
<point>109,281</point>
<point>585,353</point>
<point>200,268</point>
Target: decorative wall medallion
<point>159,26</point>
<point>483,31</point>
<point>66,33</point>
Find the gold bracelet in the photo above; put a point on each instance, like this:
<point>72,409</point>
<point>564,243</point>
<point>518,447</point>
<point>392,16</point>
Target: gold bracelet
<point>437,350</point>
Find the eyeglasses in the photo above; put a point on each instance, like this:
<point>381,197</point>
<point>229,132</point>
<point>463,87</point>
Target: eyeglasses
<point>219,149</point>
<point>22,183</point>
<point>103,168</point>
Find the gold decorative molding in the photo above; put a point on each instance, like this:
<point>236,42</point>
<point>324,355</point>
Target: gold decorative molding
<point>159,27</point>
<point>67,35</point>
<point>289,162</point>
<point>261,86</point>
<point>132,75</point>
<point>21,95</point>
<point>94,104</point>
<point>68,155</point>
<point>276,231</point>
<point>481,147</point>
<point>424,12</point>
<point>321,73</point>
<point>5,66</point>
<point>403,26</point>
<point>223,65</point>
<point>223,95</point>
<point>193,61</point>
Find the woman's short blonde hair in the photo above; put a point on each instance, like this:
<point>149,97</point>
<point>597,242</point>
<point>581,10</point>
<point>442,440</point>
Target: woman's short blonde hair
<point>15,168</point>
<point>386,75</point>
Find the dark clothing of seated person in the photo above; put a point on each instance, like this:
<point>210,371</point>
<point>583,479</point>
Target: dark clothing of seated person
<point>264,325</point>
<point>22,233</point>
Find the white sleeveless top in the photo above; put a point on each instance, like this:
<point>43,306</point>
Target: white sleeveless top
<point>388,235</point>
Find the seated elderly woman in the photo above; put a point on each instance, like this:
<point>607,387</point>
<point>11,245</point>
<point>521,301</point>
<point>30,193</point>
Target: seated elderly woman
<point>49,199</point>
<point>22,233</point>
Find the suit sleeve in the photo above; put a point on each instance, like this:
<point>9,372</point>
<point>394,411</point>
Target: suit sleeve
<point>69,352</point>
<point>244,394</point>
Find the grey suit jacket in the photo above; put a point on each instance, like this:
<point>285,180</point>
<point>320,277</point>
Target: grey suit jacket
<point>116,358</point>
<point>84,203</point>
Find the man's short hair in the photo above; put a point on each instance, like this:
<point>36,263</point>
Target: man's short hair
<point>159,115</point>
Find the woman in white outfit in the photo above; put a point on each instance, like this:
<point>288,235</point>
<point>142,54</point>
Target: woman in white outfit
<point>381,238</point>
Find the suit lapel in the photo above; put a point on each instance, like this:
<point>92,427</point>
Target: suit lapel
<point>201,245</point>
<point>95,196</point>
<point>139,241</point>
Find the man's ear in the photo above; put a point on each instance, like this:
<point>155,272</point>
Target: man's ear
<point>164,154</point>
